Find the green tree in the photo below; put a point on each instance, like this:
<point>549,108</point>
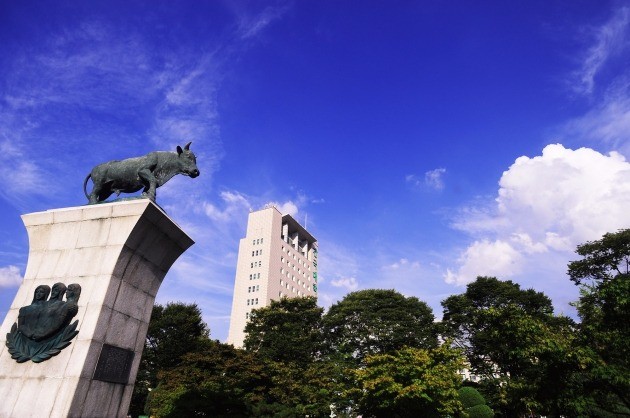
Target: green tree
<point>288,330</point>
<point>603,275</point>
<point>219,381</point>
<point>474,403</point>
<point>371,322</point>
<point>411,382</point>
<point>222,381</point>
<point>514,342</point>
<point>174,330</point>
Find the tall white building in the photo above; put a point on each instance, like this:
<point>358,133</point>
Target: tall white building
<point>276,259</point>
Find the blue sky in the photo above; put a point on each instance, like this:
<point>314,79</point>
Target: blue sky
<point>423,143</point>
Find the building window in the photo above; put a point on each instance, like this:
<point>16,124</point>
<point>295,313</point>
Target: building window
<point>258,276</point>
<point>257,287</point>
<point>261,240</point>
<point>254,242</point>
<point>247,302</point>
<point>246,315</point>
<point>256,301</point>
<point>251,265</point>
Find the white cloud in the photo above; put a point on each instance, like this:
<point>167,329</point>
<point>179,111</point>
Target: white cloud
<point>10,276</point>
<point>607,123</point>
<point>435,178</point>
<point>546,205</point>
<point>250,26</point>
<point>234,203</point>
<point>485,258</point>
<point>286,208</point>
<point>610,40</point>
<point>403,262</point>
<point>432,179</point>
<point>348,283</point>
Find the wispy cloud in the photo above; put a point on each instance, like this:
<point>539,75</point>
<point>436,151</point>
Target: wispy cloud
<point>607,124</point>
<point>609,41</point>
<point>347,283</point>
<point>252,25</point>
<point>432,179</point>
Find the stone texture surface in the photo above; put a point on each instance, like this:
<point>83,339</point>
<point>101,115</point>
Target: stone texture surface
<point>119,253</point>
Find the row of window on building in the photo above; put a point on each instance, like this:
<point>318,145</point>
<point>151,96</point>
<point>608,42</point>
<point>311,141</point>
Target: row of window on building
<point>256,253</point>
<point>254,276</point>
<point>293,266</point>
<point>252,301</point>
<point>256,264</point>
<point>292,288</point>
<point>257,241</point>
<point>251,289</point>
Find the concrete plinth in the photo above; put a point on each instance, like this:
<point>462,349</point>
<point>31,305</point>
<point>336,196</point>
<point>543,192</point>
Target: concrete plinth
<point>119,253</point>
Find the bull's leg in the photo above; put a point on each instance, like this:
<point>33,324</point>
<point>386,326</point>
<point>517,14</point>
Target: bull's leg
<point>150,183</point>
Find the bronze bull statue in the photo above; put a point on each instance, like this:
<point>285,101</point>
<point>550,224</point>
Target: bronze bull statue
<point>149,172</point>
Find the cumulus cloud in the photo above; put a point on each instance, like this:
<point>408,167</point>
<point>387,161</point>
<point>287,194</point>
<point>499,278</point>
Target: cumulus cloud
<point>10,276</point>
<point>485,258</point>
<point>545,204</point>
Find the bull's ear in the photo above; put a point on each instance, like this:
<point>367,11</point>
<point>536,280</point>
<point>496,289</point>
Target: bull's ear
<point>187,147</point>
<point>179,150</point>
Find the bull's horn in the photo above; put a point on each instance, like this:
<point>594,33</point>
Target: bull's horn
<point>187,146</point>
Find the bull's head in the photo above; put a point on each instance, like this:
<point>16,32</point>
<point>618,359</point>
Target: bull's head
<point>187,161</point>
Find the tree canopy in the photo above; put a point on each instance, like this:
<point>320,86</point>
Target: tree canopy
<point>376,353</point>
<point>374,321</point>
<point>411,382</point>
<point>287,330</point>
<point>513,341</point>
<point>604,310</point>
<point>174,330</point>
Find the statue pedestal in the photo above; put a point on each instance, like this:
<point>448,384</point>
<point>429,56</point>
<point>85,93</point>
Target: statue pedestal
<point>119,253</point>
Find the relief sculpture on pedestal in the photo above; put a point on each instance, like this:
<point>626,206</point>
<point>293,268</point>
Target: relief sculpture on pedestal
<point>43,328</point>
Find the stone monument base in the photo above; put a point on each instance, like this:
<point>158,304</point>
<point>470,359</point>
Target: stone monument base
<point>119,254</point>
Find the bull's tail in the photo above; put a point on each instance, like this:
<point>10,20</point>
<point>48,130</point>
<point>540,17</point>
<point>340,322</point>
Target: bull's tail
<point>85,185</point>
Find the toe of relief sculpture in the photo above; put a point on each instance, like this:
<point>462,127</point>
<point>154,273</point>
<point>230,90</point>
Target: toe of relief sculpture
<point>43,328</point>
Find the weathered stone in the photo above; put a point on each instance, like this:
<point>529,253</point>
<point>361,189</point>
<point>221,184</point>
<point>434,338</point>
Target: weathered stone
<point>119,254</point>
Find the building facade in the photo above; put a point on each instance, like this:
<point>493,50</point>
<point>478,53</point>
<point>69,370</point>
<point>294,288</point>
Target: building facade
<point>276,259</point>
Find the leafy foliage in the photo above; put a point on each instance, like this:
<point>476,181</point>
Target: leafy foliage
<point>411,382</point>
<point>603,259</point>
<point>470,397</point>
<point>604,308</point>
<point>370,322</point>
<point>514,342</point>
<point>174,330</point>
<point>480,411</point>
<point>287,330</point>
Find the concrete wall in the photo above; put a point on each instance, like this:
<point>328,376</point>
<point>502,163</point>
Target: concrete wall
<point>119,253</point>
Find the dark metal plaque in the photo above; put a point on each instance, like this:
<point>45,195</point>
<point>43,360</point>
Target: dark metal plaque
<point>114,364</point>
